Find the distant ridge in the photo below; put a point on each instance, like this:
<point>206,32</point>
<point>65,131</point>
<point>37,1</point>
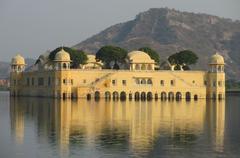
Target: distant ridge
<point>169,31</point>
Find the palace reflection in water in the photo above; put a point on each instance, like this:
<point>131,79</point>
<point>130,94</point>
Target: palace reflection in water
<point>136,128</point>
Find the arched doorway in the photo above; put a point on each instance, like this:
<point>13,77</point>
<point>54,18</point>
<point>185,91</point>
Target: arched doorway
<point>138,81</point>
<point>195,97</point>
<point>163,96</point>
<point>188,96</point>
<point>220,96</point>
<point>130,96</point>
<point>97,95</point>
<point>149,96</point>
<point>143,96</point>
<point>156,96</point>
<point>137,96</point>
<point>107,95</point>
<point>171,96</point>
<point>64,95</point>
<point>72,96</point>
<point>115,95</point>
<point>178,96</point>
<point>123,95</point>
<point>88,96</point>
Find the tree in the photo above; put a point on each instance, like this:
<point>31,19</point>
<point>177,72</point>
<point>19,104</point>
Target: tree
<point>152,53</point>
<point>183,59</point>
<point>77,56</point>
<point>109,54</point>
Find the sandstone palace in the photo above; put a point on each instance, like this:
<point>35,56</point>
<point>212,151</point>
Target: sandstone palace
<point>140,80</point>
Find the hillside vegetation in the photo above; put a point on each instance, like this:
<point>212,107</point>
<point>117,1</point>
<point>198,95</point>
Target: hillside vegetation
<point>169,31</point>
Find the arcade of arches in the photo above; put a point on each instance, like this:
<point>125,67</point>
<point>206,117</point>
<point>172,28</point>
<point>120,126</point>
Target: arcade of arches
<point>122,95</point>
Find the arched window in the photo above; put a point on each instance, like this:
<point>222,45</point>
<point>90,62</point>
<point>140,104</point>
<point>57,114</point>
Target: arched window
<point>137,67</point>
<point>143,67</point>
<point>143,81</point>
<point>64,66</point>
<point>149,67</point>
<point>64,81</point>
<point>219,68</point>
<point>149,81</point>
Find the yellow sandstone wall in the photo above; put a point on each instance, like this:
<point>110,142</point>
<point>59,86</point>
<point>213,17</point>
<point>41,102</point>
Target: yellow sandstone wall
<point>79,83</point>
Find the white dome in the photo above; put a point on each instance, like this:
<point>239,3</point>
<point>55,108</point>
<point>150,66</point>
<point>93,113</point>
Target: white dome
<point>62,55</point>
<point>139,57</point>
<point>18,60</point>
<point>217,59</point>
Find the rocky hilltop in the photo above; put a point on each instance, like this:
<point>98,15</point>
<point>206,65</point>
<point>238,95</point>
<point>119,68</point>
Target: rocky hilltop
<point>168,31</point>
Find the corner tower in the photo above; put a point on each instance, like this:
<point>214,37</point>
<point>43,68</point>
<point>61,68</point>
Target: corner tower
<point>216,77</point>
<point>17,68</point>
<point>62,75</point>
<point>18,64</point>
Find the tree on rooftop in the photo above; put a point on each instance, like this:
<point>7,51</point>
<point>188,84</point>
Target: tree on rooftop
<point>183,59</point>
<point>152,53</point>
<point>109,54</point>
<point>77,56</point>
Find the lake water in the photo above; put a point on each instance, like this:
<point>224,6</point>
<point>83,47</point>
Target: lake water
<point>40,127</point>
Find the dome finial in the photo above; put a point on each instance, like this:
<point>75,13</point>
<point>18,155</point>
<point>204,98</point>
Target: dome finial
<point>217,59</point>
<point>62,56</point>
<point>18,60</point>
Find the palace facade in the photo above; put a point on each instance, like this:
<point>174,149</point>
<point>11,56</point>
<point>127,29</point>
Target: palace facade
<point>140,80</point>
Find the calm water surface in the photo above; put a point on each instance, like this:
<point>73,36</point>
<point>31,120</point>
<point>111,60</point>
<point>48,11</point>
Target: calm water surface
<point>37,127</point>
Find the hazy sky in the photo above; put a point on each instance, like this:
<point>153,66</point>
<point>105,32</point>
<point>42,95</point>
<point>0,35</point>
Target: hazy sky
<point>30,27</point>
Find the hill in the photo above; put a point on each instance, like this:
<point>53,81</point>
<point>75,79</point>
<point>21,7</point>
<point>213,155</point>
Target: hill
<point>169,31</point>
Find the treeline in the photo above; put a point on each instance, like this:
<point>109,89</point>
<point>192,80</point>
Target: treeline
<point>232,84</point>
<point>113,56</point>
